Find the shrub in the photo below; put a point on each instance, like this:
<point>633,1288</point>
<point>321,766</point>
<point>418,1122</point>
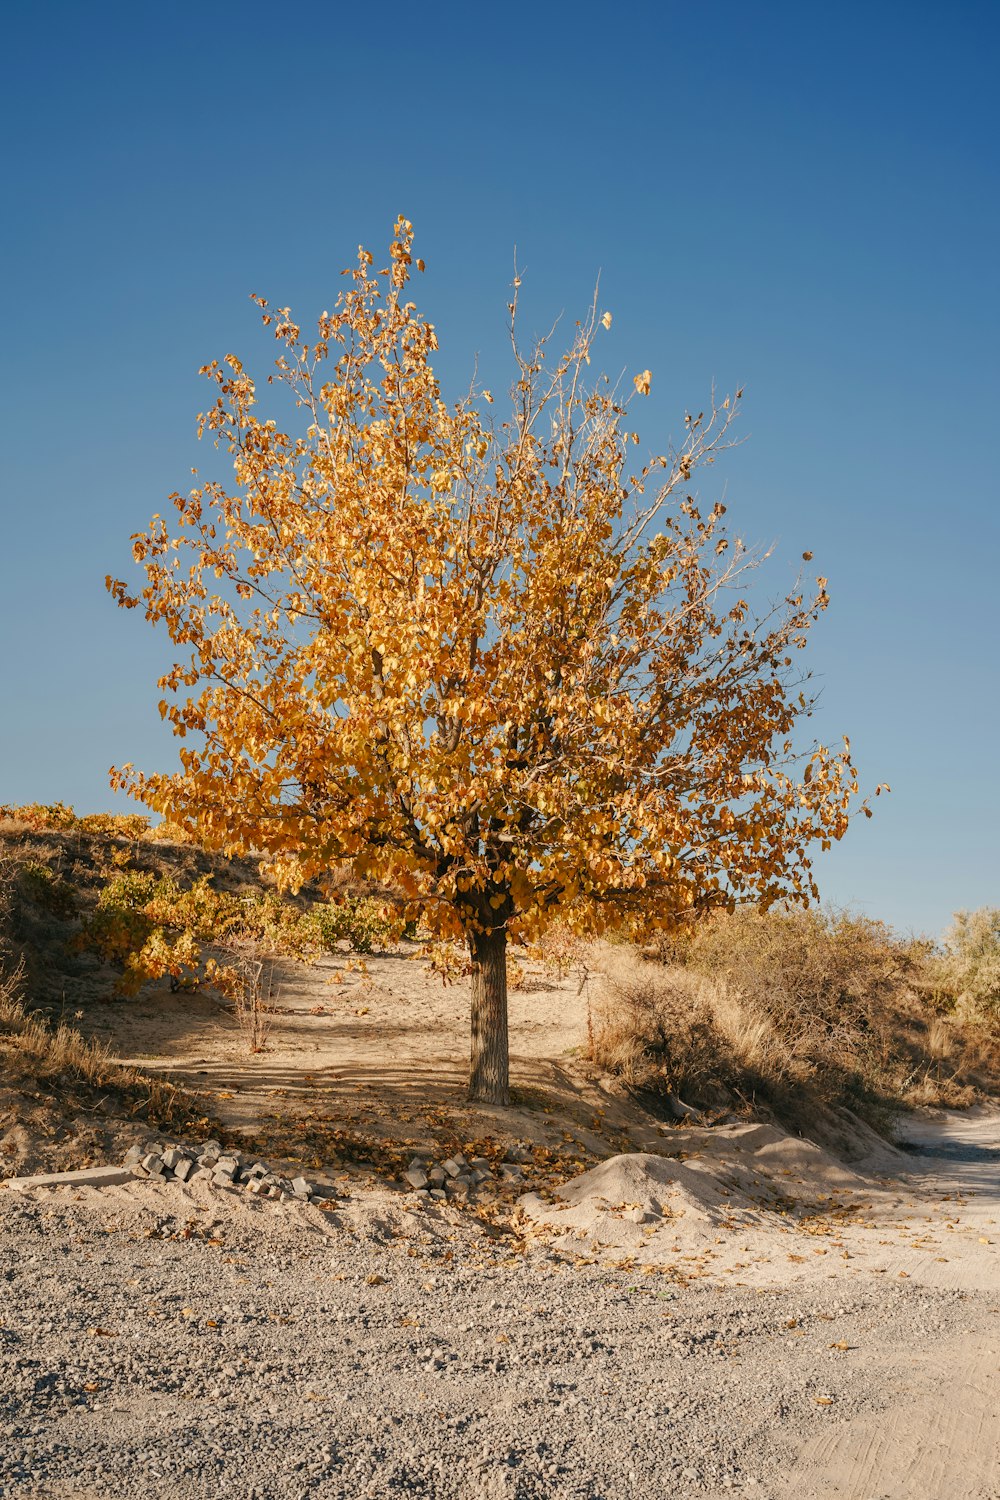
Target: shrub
<point>969,971</point>
<point>42,885</point>
<point>364,921</point>
<point>791,1007</point>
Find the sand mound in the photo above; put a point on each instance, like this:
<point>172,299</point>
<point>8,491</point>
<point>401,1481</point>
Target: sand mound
<point>730,1177</point>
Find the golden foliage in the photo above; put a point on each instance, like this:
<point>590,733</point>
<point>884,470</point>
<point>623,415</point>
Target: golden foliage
<point>489,663</point>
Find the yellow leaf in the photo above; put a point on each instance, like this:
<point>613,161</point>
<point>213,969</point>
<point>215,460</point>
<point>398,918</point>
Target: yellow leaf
<point>643,382</point>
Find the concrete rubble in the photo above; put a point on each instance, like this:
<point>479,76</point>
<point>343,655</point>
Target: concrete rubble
<point>219,1168</point>
<point>461,1177</point>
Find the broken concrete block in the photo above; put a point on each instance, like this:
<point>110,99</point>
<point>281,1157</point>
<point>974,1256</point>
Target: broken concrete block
<point>183,1169</point>
<point>153,1164</point>
<point>416,1177</point>
<point>451,1166</point>
<point>85,1177</point>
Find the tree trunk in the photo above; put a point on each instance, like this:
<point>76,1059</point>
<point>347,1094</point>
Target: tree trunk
<point>489,1082</point>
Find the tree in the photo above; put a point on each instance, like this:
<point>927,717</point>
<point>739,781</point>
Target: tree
<point>493,663</point>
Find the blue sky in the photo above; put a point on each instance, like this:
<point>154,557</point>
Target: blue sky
<point>800,199</point>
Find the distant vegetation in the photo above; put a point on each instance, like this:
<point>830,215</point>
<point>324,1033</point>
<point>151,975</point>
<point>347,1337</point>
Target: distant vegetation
<point>794,1009</point>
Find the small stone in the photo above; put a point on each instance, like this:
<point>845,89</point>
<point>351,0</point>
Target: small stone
<point>418,1164</point>
<point>134,1156</point>
<point>458,1187</point>
<point>511,1172</point>
<point>479,1174</point>
<point>480,1164</point>
<point>301,1188</point>
<point>183,1169</point>
<point>228,1164</point>
<point>437,1176</point>
<point>153,1164</point>
<point>172,1157</point>
<point>451,1166</point>
<point>416,1177</point>
<point>437,1194</point>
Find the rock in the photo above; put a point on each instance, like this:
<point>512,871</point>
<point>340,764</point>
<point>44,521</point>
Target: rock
<point>511,1172</point>
<point>183,1169</point>
<point>134,1156</point>
<point>172,1157</point>
<point>301,1187</point>
<point>153,1164</point>
<point>416,1177</point>
<point>451,1166</point>
<point>458,1187</point>
<point>437,1177</point>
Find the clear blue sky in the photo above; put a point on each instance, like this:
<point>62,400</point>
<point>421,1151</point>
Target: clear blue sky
<point>800,198</point>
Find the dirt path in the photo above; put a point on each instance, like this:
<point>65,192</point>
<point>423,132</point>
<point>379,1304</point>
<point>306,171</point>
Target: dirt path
<point>937,1435</point>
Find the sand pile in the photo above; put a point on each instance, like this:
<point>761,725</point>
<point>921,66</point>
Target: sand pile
<point>730,1177</point>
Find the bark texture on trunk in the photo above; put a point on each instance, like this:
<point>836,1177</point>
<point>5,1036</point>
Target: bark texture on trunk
<point>489,1081</point>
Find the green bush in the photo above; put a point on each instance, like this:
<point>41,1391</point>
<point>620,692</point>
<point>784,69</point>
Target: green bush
<point>969,971</point>
<point>364,921</point>
<point>41,884</point>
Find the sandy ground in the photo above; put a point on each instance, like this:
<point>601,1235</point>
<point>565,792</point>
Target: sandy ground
<point>671,1310</point>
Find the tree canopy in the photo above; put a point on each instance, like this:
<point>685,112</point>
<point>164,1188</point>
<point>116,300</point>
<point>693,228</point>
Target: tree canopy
<point>500,664</point>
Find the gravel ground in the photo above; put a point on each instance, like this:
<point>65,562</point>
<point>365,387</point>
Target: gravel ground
<point>154,1345</point>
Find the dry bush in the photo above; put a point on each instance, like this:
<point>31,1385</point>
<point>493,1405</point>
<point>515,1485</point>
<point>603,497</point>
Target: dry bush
<point>249,984</point>
<point>791,1010</point>
<point>654,1027</point>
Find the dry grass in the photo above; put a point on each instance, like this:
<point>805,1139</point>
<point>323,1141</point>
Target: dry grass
<point>788,1012</point>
